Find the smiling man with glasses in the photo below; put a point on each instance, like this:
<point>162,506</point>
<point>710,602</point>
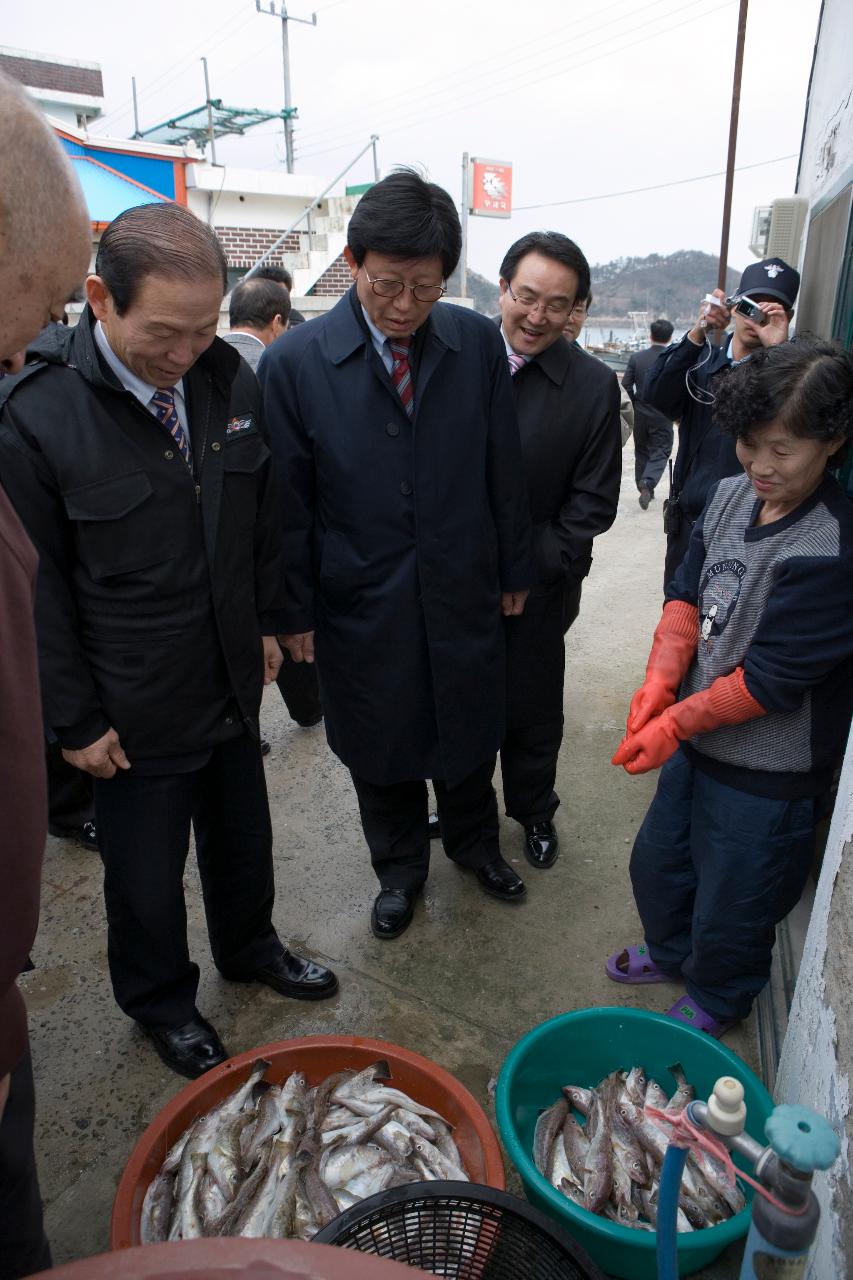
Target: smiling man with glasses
<point>568,410</point>
<point>407,537</point>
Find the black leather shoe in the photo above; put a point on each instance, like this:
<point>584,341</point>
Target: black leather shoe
<point>646,495</point>
<point>541,844</point>
<point>191,1049</point>
<point>434,827</point>
<point>295,976</point>
<point>392,913</point>
<point>265,747</point>
<point>498,878</point>
<point>86,834</point>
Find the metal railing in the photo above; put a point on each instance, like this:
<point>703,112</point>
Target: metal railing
<point>306,212</point>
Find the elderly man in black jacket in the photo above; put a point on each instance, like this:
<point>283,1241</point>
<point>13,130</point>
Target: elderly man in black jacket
<point>568,411</point>
<point>135,457</point>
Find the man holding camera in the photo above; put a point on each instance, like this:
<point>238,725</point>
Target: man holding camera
<point>682,387</point>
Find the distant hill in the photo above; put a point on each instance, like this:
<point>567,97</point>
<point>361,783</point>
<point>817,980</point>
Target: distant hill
<point>484,292</point>
<point>669,286</point>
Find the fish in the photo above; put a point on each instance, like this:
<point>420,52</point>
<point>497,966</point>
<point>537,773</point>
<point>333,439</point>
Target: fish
<point>578,1097</point>
<point>157,1208</point>
<point>611,1166</point>
<point>281,1160</point>
<point>598,1166</point>
<point>685,1092</point>
<point>548,1126</point>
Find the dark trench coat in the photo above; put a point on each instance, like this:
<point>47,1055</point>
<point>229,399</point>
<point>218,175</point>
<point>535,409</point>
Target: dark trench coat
<point>400,535</point>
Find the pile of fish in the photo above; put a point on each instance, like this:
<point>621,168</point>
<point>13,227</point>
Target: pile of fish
<point>283,1160</point>
<point>612,1165</point>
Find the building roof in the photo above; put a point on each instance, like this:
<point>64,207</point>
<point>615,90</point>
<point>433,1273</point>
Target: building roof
<point>108,192</point>
<point>45,71</point>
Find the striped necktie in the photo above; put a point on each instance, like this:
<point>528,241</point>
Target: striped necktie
<point>401,373</point>
<point>515,363</point>
<point>163,402</point>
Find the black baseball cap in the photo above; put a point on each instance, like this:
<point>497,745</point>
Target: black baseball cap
<point>772,278</point>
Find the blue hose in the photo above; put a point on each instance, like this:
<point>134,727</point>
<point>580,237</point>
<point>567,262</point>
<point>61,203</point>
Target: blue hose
<point>667,1234</point>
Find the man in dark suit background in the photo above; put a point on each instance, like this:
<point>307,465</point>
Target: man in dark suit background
<point>653,430</point>
<point>568,410</point>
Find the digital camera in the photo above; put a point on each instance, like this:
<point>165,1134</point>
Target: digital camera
<point>746,307</point>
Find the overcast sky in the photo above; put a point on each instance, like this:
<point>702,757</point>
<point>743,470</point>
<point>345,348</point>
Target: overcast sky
<point>585,101</point>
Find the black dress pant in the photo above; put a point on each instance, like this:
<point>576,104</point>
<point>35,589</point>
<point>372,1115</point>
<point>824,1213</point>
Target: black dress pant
<point>536,665</point>
<point>143,834</point>
<point>23,1244</point>
<point>394,820</point>
<point>297,683</point>
<point>653,437</point>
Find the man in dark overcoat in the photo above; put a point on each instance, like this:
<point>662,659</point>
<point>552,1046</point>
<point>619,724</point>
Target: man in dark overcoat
<point>137,461</point>
<point>653,430</point>
<point>407,535</point>
<point>568,411</point>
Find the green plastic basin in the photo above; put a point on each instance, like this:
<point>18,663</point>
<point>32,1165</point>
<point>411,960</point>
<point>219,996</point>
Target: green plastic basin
<point>581,1048</point>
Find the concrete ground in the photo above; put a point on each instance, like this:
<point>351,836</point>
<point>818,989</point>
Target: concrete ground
<point>461,986</point>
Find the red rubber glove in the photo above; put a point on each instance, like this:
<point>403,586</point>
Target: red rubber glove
<point>673,650</point>
<point>727,701</point>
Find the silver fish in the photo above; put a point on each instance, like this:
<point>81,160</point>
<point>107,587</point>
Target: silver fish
<point>684,1093</point>
<point>157,1209</point>
<point>578,1097</point>
<point>598,1165</point>
<point>186,1219</point>
<point>548,1126</point>
<point>255,1219</point>
<point>340,1164</point>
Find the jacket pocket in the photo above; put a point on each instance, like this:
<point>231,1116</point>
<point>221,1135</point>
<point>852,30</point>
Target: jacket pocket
<point>118,530</point>
<point>243,459</point>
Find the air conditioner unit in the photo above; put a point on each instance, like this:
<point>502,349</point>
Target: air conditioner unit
<point>777,229</point>
<point>760,230</point>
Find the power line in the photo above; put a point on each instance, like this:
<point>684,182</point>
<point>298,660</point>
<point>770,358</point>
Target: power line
<point>658,186</point>
<point>385,130</point>
<point>434,85</point>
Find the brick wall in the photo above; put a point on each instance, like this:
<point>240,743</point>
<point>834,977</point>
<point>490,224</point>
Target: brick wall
<point>334,281</point>
<point>53,75</point>
<point>244,245</point>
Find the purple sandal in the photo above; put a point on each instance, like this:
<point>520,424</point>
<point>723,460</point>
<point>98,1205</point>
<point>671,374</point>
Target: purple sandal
<point>686,1010</point>
<point>641,967</point>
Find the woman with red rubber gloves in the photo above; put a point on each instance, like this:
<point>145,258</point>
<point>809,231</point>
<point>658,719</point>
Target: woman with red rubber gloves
<point>748,692</point>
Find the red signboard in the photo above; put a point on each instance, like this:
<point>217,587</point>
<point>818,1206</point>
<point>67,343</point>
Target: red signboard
<point>491,188</point>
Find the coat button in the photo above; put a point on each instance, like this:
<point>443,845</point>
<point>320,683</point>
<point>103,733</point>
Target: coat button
<point>229,719</point>
<point>392,429</point>
<point>405,488</point>
<point>168,454</point>
<point>216,446</point>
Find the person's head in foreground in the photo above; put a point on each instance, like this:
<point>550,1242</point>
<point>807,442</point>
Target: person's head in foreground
<point>790,408</point>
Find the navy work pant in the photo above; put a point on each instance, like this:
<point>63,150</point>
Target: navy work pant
<point>394,820</point>
<point>714,870</point>
<point>143,836</point>
<point>23,1244</point>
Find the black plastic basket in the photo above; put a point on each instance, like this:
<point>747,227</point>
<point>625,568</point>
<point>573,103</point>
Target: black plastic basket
<point>461,1231</point>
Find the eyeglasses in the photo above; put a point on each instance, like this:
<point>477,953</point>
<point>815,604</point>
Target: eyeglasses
<point>559,310</point>
<point>393,288</point>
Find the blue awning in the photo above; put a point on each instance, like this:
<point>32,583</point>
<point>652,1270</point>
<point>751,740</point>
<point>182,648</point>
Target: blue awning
<point>107,192</point>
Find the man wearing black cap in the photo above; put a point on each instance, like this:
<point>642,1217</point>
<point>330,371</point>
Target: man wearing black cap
<point>682,387</point>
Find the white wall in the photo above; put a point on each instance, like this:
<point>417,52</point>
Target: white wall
<point>828,140</point>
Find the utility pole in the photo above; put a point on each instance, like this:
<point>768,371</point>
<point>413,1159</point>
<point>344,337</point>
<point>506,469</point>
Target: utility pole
<point>463,257</point>
<point>730,163</point>
<point>210,134</point>
<point>282,13</point>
